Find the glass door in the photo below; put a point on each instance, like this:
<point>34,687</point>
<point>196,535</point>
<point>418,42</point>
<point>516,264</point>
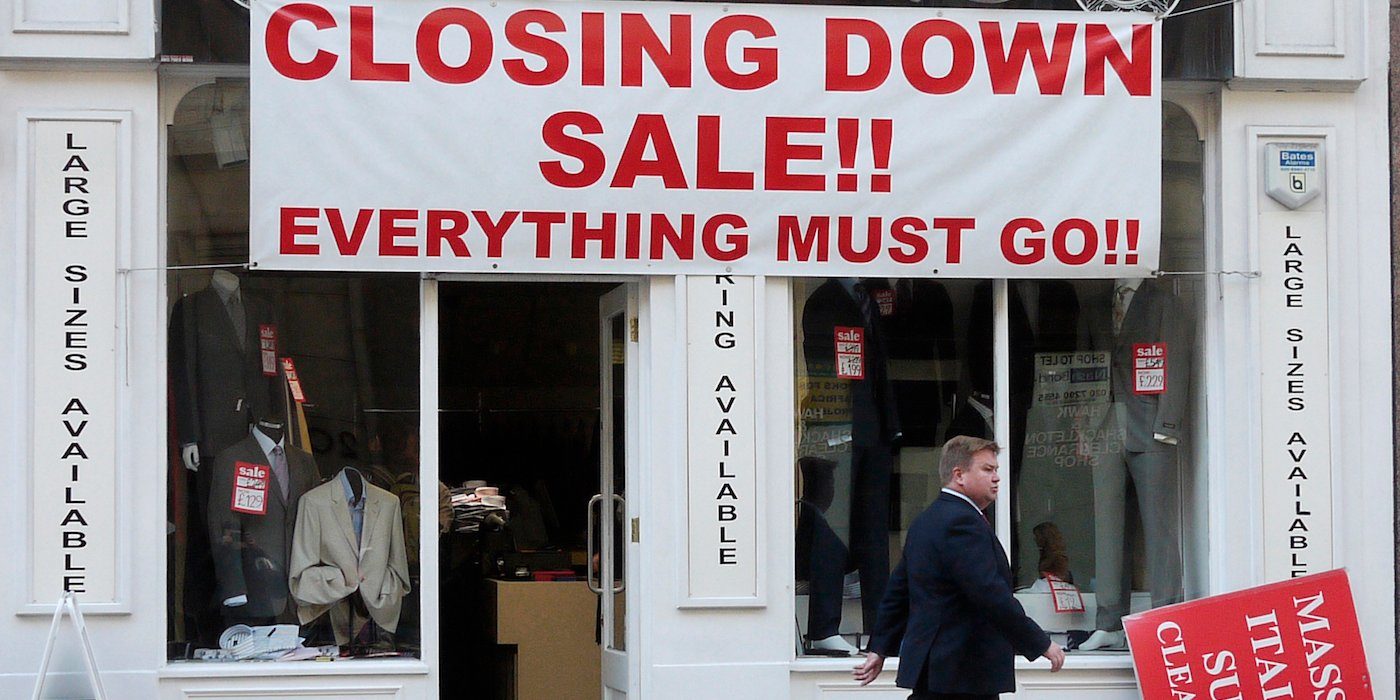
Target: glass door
<point>611,517</point>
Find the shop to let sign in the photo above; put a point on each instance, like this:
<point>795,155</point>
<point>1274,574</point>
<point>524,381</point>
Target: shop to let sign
<point>1295,639</point>
<point>692,138</point>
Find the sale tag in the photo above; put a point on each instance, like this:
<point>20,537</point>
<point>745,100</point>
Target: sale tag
<point>267,344</point>
<point>850,352</point>
<point>884,298</point>
<point>1149,368</point>
<point>292,381</point>
<point>250,488</point>
<point>1065,595</point>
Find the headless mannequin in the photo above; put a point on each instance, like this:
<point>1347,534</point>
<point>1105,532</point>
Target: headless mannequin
<point>1117,639</point>
<point>227,284</point>
<point>274,430</point>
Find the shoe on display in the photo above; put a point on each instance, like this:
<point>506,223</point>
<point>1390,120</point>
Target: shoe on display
<point>1104,640</point>
<point>835,645</point>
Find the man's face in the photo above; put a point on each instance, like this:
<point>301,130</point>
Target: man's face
<point>980,480</point>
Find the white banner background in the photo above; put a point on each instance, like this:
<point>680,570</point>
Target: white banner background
<point>337,149</point>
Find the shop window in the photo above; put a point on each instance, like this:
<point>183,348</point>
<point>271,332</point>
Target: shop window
<point>1102,446</point>
<point>293,476</point>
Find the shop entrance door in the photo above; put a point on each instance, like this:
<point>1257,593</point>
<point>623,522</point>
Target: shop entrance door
<point>611,516</point>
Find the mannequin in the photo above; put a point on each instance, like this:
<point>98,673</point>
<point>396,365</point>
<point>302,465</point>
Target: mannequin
<point>875,432</point>
<point>217,384</point>
<point>256,485</point>
<point>1150,421</point>
<point>349,539</point>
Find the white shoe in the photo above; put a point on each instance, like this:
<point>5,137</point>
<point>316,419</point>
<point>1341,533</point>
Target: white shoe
<point>1105,640</point>
<point>835,643</point>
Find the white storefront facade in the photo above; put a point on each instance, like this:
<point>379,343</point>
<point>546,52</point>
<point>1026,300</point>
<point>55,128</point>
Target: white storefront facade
<point>680,364</point>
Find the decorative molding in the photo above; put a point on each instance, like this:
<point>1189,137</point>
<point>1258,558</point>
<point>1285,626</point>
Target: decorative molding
<point>101,17</point>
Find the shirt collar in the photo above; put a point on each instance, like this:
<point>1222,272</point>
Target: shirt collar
<point>962,496</point>
<point>266,443</point>
<point>349,492</point>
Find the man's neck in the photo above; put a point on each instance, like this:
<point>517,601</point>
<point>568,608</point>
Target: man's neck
<point>953,490</point>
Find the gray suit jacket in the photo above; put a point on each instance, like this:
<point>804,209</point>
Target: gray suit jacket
<point>1155,315</point>
<point>251,551</point>
<point>328,566</point>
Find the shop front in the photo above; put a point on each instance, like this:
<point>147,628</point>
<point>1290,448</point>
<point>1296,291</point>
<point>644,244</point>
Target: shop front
<point>510,350</point>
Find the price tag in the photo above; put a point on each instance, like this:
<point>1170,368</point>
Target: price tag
<point>250,488</point>
<point>884,298</point>
<point>267,345</point>
<point>1065,595</point>
<point>850,352</point>
<point>292,381</point>
<point>1149,368</point>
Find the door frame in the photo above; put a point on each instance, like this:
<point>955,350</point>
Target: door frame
<point>430,454</point>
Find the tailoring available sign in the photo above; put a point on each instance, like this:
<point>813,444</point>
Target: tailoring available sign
<point>721,447</point>
<point>1295,639</point>
<point>704,138</point>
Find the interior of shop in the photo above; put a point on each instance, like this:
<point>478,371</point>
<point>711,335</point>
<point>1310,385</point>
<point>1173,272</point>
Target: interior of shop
<point>520,392</point>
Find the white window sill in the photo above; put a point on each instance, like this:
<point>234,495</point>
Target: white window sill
<point>254,669</point>
<point>1074,661</point>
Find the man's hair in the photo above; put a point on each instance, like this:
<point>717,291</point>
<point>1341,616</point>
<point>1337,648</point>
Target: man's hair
<point>957,454</point>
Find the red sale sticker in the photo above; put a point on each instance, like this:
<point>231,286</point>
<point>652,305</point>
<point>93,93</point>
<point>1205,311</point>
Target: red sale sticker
<point>267,345</point>
<point>1149,368</point>
<point>292,381</point>
<point>884,298</point>
<point>250,488</point>
<point>850,352</point>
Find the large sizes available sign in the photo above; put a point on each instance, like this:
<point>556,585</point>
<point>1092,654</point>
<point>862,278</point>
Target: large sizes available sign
<point>1295,639</point>
<point>73,230</point>
<point>607,137</point>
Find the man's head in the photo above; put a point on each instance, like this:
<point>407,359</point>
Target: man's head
<point>969,466</point>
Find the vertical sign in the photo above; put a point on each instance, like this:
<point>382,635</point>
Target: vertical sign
<point>73,227</point>
<point>1295,411</point>
<point>720,448</point>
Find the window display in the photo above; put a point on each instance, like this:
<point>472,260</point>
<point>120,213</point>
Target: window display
<point>1099,404</point>
<point>293,398</point>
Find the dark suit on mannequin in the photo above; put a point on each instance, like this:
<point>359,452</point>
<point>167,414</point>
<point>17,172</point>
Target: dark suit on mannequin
<point>251,552</point>
<point>216,385</point>
<point>875,430</point>
<point>949,613</point>
<point>1151,425</point>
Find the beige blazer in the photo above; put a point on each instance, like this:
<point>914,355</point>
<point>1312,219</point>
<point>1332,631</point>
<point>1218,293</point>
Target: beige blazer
<point>326,566</point>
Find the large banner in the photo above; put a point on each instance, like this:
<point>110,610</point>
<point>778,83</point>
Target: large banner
<point>1294,639</point>
<point>681,138</point>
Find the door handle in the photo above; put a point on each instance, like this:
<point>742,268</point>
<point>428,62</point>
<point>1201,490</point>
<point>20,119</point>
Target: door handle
<point>595,584</point>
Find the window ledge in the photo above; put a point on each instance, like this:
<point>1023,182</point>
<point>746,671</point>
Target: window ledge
<point>1074,661</point>
<point>254,669</point>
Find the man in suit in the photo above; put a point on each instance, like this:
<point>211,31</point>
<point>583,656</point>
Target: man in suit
<point>948,611</point>
<point>349,539</point>
<point>257,482</point>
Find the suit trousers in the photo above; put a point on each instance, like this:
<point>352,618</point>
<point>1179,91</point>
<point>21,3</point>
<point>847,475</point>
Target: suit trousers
<point>1156,478</point>
<point>821,559</point>
<point>871,469</point>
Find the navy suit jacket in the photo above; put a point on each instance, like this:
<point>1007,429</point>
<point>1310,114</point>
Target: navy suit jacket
<point>948,611</point>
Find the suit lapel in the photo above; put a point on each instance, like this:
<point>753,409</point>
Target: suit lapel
<point>341,511</point>
<point>372,506</point>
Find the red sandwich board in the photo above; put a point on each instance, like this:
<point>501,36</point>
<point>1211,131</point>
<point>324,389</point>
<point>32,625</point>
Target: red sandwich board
<point>1294,639</point>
